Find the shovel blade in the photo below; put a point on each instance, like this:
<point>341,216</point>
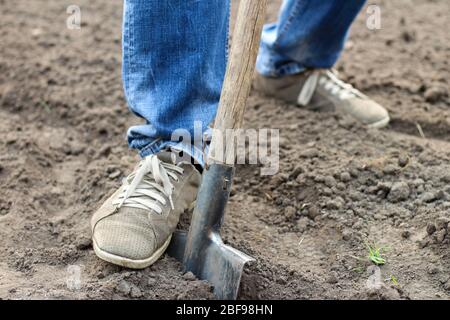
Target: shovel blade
<point>219,264</point>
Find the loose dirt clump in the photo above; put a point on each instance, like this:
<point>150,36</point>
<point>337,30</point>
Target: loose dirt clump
<point>339,187</point>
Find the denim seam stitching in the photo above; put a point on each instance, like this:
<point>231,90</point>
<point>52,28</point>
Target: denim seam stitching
<point>130,65</point>
<point>152,146</point>
<point>290,18</point>
<point>228,33</point>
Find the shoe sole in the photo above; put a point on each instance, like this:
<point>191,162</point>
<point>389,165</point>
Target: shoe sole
<point>130,263</point>
<point>380,124</point>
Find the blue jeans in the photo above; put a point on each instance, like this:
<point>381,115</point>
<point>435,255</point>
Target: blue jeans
<point>175,54</point>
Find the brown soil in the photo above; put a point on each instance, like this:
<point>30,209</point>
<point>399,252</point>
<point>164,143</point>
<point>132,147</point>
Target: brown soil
<point>62,150</point>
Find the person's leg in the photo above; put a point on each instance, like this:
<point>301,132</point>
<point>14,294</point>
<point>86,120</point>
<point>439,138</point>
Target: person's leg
<point>309,34</point>
<point>174,60</point>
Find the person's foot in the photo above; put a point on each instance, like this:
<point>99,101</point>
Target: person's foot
<point>134,226</point>
<point>322,90</point>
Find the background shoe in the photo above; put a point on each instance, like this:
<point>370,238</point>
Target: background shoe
<point>134,226</point>
<point>323,90</point>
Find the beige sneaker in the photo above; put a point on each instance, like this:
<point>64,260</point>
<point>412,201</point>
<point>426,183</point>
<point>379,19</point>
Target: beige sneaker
<point>134,226</point>
<point>323,90</point>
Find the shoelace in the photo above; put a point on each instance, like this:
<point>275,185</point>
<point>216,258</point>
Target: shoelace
<point>330,82</point>
<point>150,185</point>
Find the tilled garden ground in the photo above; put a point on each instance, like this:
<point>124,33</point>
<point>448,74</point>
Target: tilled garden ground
<point>340,187</point>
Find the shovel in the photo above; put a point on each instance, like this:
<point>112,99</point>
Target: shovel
<point>202,250</point>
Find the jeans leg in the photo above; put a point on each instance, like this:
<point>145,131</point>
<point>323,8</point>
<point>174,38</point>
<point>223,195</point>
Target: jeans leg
<point>174,60</point>
<point>308,34</point>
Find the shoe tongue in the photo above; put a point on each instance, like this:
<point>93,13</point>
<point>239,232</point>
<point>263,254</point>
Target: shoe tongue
<point>171,157</point>
<point>167,157</point>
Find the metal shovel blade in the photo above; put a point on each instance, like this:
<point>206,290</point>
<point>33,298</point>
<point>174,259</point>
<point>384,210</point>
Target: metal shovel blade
<point>220,265</point>
<point>202,250</point>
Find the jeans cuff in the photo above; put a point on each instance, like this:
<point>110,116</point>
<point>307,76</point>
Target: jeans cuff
<point>285,70</point>
<point>197,153</point>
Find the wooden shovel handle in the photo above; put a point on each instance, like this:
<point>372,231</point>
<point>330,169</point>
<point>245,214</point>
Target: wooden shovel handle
<point>238,77</point>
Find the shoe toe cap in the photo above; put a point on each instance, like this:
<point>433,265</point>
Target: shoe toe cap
<point>134,240</point>
<point>370,113</point>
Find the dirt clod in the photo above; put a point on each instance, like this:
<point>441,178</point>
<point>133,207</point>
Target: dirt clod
<point>123,287</point>
<point>399,192</point>
<point>189,276</point>
<point>431,228</point>
<point>345,176</point>
<point>435,93</point>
